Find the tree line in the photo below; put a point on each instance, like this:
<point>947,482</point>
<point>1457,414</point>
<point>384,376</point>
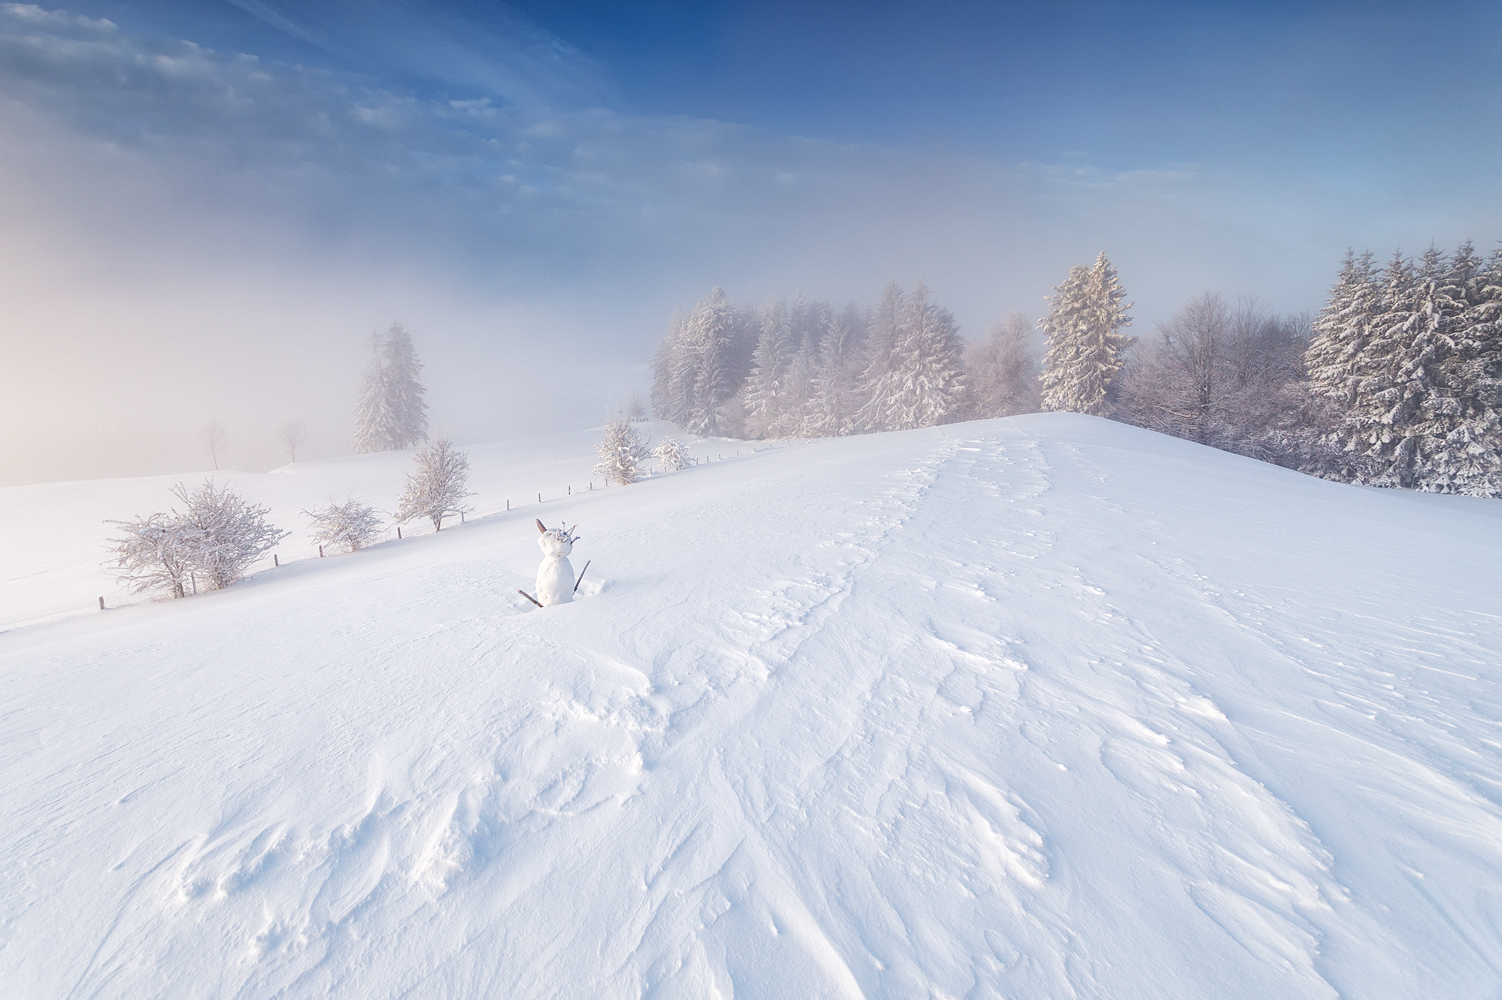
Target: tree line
<point>803,369</point>
<point>1396,382</point>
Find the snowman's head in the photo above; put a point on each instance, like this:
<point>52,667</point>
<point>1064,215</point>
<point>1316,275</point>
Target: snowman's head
<point>555,541</point>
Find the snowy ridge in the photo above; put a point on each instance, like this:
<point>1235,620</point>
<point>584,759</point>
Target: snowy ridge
<point>1043,706</point>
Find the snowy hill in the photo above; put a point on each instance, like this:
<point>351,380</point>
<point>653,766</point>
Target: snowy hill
<point>1038,707</point>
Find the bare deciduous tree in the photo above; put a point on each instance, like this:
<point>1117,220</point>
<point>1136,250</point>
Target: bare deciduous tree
<point>438,486</point>
<point>352,523</point>
<point>1003,371</point>
<point>1230,378</point>
<point>214,538</point>
<point>214,435</point>
<point>292,436</point>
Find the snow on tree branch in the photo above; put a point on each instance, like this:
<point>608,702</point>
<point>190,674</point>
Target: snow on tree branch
<point>622,453</point>
<point>352,524</point>
<point>671,455</point>
<point>438,486</point>
<point>213,540</point>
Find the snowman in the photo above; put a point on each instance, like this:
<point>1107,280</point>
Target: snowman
<point>555,575</point>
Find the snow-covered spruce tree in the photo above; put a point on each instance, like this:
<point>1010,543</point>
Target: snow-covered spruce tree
<point>707,336</point>
<point>1374,424</point>
<point>672,386</point>
<point>223,532</point>
<point>884,330</point>
<point>153,552</point>
<point>438,487</point>
<point>767,387</point>
<point>920,383</point>
<point>701,364</point>
<point>404,391</point>
<point>374,427</point>
<point>1341,331</point>
<point>671,455</point>
<point>623,454</point>
<point>1086,347</point>
<point>390,414</point>
<point>351,524</point>
<point>1436,428</point>
<point>1459,421</point>
<point>1001,372</point>
<point>794,420</point>
<point>837,375</point>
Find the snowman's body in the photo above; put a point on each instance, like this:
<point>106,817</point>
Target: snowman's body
<point>555,576</point>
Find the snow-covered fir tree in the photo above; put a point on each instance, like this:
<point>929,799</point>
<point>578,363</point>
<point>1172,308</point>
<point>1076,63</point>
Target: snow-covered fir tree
<point>796,416</point>
<point>623,454</point>
<point>707,335</point>
<point>391,414</point>
<point>837,376</point>
<point>404,390</point>
<point>884,330</point>
<point>438,487</point>
<point>1410,358</point>
<point>671,386</point>
<point>1341,331</point>
<point>1086,348</point>
<point>352,524</point>
<point>1371,428</point>
<point>767,388</point>
<point>1458,418</point>
<point>701,364</point>
<point>374,428</point>
<point>915,380</point>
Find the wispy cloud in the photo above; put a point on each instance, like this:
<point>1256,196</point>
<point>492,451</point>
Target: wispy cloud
<point>479,181</point>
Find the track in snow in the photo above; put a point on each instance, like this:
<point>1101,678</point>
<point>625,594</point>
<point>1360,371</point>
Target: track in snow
<point>1041,707</point>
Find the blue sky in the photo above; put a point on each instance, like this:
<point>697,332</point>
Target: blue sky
<point>190,189</point>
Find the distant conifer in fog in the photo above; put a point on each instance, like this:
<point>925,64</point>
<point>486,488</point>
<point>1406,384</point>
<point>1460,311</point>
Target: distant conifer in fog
<point>391,414</point>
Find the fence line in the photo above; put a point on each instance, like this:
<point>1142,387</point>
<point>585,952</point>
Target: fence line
<point>393,533</point>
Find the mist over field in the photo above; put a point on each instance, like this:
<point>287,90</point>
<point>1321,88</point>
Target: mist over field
<point>207,208</point>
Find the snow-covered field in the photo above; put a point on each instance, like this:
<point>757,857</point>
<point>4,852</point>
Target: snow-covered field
<point>1038,707</point>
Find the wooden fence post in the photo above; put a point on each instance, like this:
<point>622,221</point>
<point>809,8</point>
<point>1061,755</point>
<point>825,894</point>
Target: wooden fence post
<point>320,551</point>
<point>398,531</point>
<point>101,604</point>
<point>276,560</point>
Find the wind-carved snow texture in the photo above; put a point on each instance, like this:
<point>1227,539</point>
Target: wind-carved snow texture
<point>1042,707</point>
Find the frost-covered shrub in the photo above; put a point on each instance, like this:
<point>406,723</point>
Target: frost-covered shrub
<point>622,452</point>
<point>225,534</point>
<point>438,486</point>
<point>152,553</point>
<point>672,455</point>
<point>212,540</point>
<point>351,524</point>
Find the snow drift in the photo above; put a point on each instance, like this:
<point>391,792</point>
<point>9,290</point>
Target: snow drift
<point>1043,707</point>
